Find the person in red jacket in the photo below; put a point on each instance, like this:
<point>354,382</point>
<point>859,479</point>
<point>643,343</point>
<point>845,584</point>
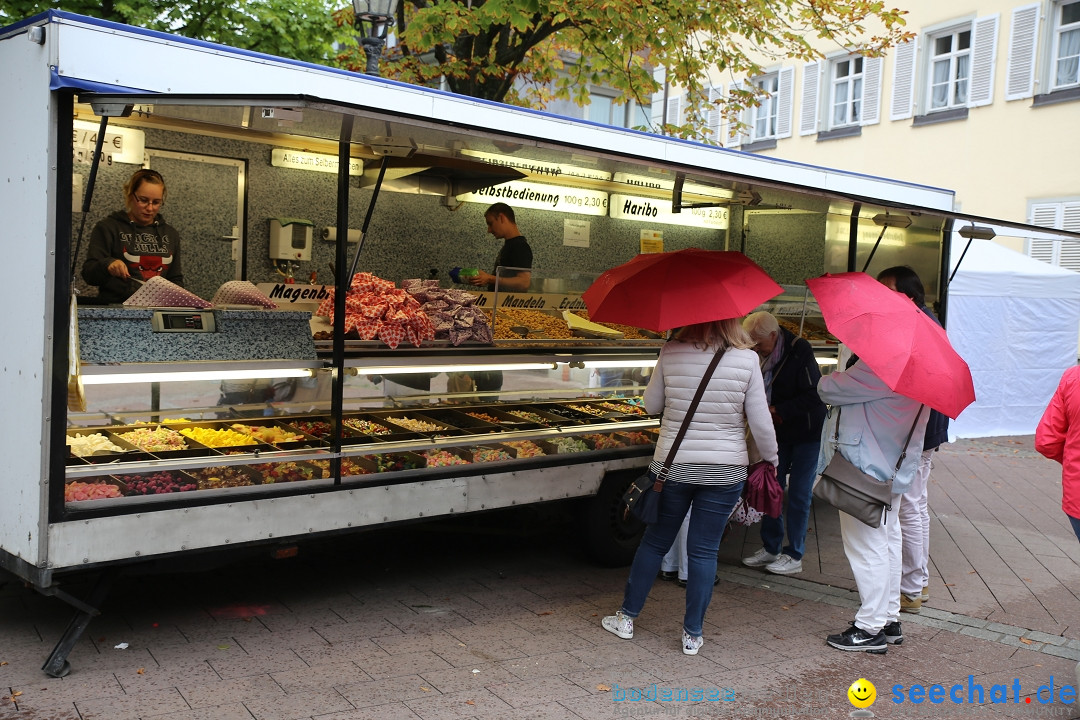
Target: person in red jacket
<point>1058,438</point>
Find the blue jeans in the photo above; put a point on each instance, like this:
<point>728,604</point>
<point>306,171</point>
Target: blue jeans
<point>1075,523</point>
<point>712,504</point>
<point>796,471</point>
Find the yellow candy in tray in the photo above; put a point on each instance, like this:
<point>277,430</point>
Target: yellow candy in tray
<point>218,438</point>
<point>268,434</point>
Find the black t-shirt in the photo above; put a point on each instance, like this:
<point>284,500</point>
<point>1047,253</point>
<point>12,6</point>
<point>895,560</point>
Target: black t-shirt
<point>516,253</point>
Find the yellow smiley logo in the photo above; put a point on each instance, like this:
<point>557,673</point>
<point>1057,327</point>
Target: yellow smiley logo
<point>862,693</point>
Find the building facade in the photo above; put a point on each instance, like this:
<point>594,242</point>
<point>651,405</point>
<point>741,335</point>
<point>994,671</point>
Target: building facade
<point>984,101</point>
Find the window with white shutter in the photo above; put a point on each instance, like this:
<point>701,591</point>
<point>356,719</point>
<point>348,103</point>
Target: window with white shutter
<point>948,69</point>
<point>903,80</point>
<point>1060,216</point>
<point>846,91</point>
<point>984,60</point>
<point>1020,67</point>
<point>808,108</point>
<point>1065,65</point>
<point>763,117</point>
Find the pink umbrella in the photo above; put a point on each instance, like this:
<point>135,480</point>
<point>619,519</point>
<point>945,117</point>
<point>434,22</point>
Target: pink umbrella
<point>899,342</point>
<point>660,291</point>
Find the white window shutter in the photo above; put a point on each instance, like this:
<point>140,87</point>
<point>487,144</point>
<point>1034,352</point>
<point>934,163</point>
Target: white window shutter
<point>734,137</point>
<point>785,103</point>
<point>808,110</point>
<point>1070,250</point>
<point>1070,217</point>
<point>871,91</point>
<point>903,80</point>
<point>1045,215</point>
<point>715,116</point>
<point>983,60</point>
<point>1020,70</point>
<point>674,110</point>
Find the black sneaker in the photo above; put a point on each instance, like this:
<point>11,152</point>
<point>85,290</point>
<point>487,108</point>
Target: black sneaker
<point>856,639</point>
<point>668,575</point>
<point>716,581</point>
<point>893,636</point>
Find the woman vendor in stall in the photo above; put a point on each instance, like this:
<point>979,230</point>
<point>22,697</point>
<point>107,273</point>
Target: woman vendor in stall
<point>134,244</point>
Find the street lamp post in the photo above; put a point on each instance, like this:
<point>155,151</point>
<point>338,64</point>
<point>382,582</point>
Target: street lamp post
<point>378,14</point>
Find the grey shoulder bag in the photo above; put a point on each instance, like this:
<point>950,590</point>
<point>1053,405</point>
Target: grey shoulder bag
<point>849,489</point>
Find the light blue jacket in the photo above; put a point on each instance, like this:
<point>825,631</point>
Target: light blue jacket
<point>873,425</point>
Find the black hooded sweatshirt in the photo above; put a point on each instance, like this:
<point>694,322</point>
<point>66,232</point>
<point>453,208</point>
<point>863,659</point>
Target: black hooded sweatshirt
<point>148,251</point>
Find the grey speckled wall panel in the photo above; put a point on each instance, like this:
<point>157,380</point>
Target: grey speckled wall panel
<point>409,234</point>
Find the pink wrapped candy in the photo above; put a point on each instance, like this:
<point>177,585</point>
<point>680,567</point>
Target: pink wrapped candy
<point>242,292</point>
<point>159,292</point>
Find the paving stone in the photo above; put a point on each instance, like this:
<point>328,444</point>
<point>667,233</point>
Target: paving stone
<point>256,664</point>
<point>303,704</point>
<point>381,692</point>
<point>228,711</point>
<point>538,666</point>
<point>464,704</point>
<point>400,665</point>
<point>534,692</point>
<point>235,690</point>
<point>320,677</point>
<point>163,677</point>
<point>467,677</point>
<point>396,711</point>
<point>132,706</point>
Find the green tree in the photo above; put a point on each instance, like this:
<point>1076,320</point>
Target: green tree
<point>516,51</point>
<point>300,29</point>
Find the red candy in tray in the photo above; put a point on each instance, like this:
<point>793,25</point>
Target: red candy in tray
<point>242,292</point>
<point>374,307</point>
<point>159,292</point>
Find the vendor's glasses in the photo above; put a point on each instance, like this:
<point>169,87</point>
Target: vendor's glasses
<point>147,202</point>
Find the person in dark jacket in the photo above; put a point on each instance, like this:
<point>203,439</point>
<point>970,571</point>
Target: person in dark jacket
<point>914,514</point>
<point>791,374</point>
<point>134,243</point>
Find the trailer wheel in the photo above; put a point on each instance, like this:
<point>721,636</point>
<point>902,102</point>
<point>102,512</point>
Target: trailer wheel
<point>611,539</point>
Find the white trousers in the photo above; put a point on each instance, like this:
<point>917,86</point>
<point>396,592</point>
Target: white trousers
<point>915,527</point>
<point>677,557</point>
<point>874,556</point>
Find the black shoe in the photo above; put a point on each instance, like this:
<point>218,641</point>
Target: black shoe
<point>892,633</point>
<point>858,640</point>
<point>668,575</point>
<point>715,582</point>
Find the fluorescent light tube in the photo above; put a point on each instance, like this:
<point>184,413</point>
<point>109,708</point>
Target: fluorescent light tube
<point>619,363</point>
<point>149,377</point>
<point>409,369</point>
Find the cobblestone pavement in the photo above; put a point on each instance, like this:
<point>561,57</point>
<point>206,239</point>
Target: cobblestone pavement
<point>497,616</point>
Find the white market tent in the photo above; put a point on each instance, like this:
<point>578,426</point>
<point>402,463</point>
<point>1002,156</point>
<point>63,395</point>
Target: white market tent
<point>1015,321</point>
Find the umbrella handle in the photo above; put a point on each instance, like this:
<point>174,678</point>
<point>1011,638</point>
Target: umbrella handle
<point>874,249</point>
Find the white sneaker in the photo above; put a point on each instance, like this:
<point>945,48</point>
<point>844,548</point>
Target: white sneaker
<point>759,559</point>
<point>784,565</point>
<point>620,625</point>
<point>690,644</point>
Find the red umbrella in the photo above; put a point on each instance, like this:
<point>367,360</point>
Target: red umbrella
<point>896,339</point>
<point>660,291</point>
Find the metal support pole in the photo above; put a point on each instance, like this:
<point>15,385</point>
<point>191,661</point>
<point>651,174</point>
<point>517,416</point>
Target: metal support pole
<point>57,664</point>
